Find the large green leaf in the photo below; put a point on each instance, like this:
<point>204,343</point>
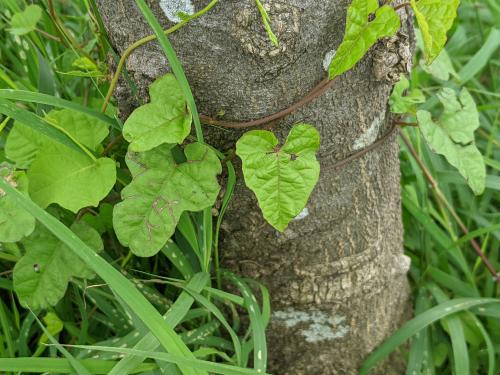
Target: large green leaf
<point>366,23</point>
<point>282,178</point>
<point>41,276</point>
<point>59,174</point>
<point>453,135</point>
<point>71,180</point>
<point>160,191</point>
<point>25,21</point>
<point>15,223</point>
<point>166,119</point>
<point>434,17</point>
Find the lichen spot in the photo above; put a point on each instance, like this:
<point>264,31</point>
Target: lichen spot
<point>302,214</point>
<point>172,8</point>
<point>327,60</point>
<point>370,135</point>
<point>315,325</point>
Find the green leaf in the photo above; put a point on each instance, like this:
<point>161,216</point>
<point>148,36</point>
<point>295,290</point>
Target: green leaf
<point>166,119</point>
<point>69,179</point>
<point>41,276</point>
<point>25,21</point>
<point>54,326</point>
<point>402,101</point>
<point>453,136</point>
<point>435,18</point>
<point>15,223</point>
<point>361,33</point>
<point>57,173</point>
<point>281,178</point>
<point>441,68</point>
<point>161,191</point>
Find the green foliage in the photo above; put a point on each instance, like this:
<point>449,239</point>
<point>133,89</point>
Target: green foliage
<point>434,19</point>
<point>402,101</point>
<point>453,135</point>
<point>362,32</point>
<point>58,174</point>
<point>41,276</point>
<point>166,119</point>
<point>161,191</point>
<point>15,223</point>
<point>24,22</point>
<point>282,178</point>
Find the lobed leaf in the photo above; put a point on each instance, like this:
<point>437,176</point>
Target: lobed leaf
<point>435,18</point>
<point>41,276</point>
<point>281,178</point>
<point>362,32</point>
<point>160,191</point>
<point>166,119</point>
<point>453,136</point>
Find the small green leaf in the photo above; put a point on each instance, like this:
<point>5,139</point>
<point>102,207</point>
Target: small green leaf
<point>361,32</point>
<point>403,102</point>
<point>435,18</point>
<point>53,324</point>
<point>166,119</point>
<point>453,136</point>
<point>160,191</point>
<point>41,276</point>
<point>25,21</point>
<point>15,223</point>
<point>441,68</point>
<point>281,178</point>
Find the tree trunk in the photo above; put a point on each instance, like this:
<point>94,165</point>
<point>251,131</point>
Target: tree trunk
<point>337,275</point>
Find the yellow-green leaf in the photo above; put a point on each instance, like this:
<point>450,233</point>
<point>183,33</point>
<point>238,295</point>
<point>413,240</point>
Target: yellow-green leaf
<point>166,119</point>
<point>282,178</point>
<point>161,191</point>
<point>435,18</point>
<point>366,23</point>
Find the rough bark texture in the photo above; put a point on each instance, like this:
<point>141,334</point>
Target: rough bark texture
<point>337,275</point>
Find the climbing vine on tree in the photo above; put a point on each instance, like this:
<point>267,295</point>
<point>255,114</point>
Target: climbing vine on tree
<point>57,166</point>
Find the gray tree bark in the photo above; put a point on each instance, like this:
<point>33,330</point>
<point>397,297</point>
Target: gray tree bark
<point>337,275</point>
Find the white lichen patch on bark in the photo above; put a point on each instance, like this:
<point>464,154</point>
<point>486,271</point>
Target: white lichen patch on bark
<point>302,214</point>
<point>172,8</point>
<point>370,135</point>
<point>328,59</point>
<point>317,325</point>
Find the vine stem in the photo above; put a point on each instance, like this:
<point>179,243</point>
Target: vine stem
<point>131,48</point>
<point>441,197</point>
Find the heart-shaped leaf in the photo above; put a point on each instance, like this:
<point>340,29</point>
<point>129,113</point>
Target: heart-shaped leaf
<point>166,119</point>
<point>160,191</point>
<point>59,174</point>
<point>281,178</point>
<point>434,19</point>
<point>366,23</point>
<point>453,135</point>
<point>15,222</point>
<point>41,276</point>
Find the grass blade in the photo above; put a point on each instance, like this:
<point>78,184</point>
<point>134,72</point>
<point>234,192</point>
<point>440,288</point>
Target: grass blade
<point>421,321</point>
<point>116,281</point>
